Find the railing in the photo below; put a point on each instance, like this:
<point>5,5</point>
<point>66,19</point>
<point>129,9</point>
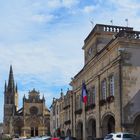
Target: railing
<point>78,111</point>
<point>66,106</point>
<point>111,28</point>
<point>108,28</point>
<point>129,34</point>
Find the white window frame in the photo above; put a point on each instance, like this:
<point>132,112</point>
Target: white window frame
<point>111,85</point>
<point>104,89</point>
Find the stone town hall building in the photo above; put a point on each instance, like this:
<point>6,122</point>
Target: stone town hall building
<point>111,73</point>
<point>32,119</point>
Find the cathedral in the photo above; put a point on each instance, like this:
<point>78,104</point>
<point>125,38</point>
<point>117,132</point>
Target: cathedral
<point>33,119</point>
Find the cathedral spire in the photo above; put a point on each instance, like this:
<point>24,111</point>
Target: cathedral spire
<point>5,87</point>
<point>16,88</point>
<point>11,84</point>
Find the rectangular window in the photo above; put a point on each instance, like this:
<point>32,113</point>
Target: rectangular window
<point>80,102</point>
<point>88,97</point>
<point>103,89</point>
<point>111,85</point>
<point>92,95</point>
<point>77,103</point>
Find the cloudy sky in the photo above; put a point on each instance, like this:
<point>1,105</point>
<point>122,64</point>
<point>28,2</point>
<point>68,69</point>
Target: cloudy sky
<point>42,40</point>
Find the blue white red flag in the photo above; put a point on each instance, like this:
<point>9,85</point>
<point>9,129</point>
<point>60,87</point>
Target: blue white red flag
<point>84,93</point>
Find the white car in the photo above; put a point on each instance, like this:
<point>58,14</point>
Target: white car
<point>120,136</point>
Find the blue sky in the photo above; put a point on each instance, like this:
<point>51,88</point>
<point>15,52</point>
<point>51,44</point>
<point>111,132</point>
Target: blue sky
<point>42,39</point>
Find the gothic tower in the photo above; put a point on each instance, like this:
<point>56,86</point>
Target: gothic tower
<point>10,102</point>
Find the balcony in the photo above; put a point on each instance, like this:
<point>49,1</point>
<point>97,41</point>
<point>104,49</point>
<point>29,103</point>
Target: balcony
<point>102,102</point>
<point>78,111</point>
<point>129,34</point>
<point>90,107</point>
<point>66,106</point>
<point>110,99</point>
<point>67,122</point>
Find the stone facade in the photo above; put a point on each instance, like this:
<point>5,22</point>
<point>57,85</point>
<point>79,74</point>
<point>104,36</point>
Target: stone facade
<point>111,74</point>
<point>61,115</point>
<point>33,119</point>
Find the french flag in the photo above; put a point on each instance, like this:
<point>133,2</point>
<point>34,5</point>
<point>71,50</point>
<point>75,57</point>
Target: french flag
<point>84,93</point>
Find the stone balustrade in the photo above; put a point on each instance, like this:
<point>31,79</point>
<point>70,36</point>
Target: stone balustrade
<point>129,34</point>
<point>111,28</point>
<point>107,28</point>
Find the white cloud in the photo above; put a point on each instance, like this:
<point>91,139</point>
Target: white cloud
<point>88,9</point>
<point>43,18</point>
<point>128,4</point>
<point>70,3</point>
<point>55,4</point>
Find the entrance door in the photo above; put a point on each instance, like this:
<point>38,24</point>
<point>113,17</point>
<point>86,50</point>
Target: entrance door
<point>32,132</point>
<point>36,131</point>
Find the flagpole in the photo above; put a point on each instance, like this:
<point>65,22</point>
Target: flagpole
<point>84,99</point>
<point>84,138</point>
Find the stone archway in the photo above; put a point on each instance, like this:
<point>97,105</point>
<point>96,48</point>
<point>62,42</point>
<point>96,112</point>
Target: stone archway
<point>33,123</point>
<point>137,125</point>
<point>91,129</point>
<point>79,131</point>
<point>108,125</point>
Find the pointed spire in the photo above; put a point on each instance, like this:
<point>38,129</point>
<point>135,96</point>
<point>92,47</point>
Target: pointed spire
<point>61,92</point>
<point>24,97</point>
<point>11,85</point>
<point>16,88</point>
<point>5,87</point>
<point>43,98</point>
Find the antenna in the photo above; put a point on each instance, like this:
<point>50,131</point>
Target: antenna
<point>111,21</point>
<point>92,23</point>
<point>126,20</point>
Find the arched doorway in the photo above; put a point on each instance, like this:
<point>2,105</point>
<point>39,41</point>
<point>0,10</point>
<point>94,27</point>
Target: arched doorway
<point>33,123</point>
<point>79,131</point>
<point>137,125</point>
<point>68,132</point>
<point>91,129</point>
<point>108,125</point>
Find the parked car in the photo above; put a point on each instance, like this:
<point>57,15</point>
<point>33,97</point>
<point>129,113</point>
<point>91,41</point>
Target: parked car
<point>120,136</point>
<point>70,138</point>
<point>55,138</point>
<point>46,138</point>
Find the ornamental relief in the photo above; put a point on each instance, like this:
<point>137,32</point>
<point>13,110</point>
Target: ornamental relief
<point>33,121</point>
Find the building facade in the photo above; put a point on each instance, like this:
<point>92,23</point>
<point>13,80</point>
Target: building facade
<point>61,115</point>
<point>111,74</point>
<point>33,119</point>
